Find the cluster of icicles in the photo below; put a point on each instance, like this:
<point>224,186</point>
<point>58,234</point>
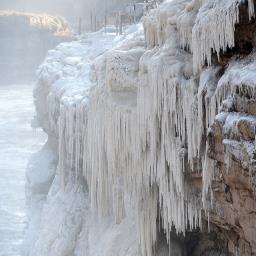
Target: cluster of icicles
<point>204,27</point>
<point>142,153</point>
<point>214,29</point>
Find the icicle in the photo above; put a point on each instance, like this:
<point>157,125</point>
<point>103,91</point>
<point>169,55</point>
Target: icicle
<point>185,24</point>
<point>208,173</point>
<point>227,158</point>
<point>251,9</point>
<point>208,221</point>
<point>221,19</point>
<point>62,147</point>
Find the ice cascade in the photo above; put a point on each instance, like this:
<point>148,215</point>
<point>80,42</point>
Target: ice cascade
<point>133,122</point>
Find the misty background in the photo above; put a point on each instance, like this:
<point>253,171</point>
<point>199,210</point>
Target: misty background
<point>23,46</point>
<point>72,10</point>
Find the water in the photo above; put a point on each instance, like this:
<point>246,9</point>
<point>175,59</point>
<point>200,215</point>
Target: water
<point>17,142</point>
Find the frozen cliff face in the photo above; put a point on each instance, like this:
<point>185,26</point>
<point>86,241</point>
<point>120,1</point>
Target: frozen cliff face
<point>160,145</point>
<point>61,98</point>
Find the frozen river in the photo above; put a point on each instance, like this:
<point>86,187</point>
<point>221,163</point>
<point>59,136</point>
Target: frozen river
<point>17,142</point>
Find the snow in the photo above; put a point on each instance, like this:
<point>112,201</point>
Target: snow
<point>68,206</point>
<point>130,115</point>
<point>41,170</point>
<point>239,75</point>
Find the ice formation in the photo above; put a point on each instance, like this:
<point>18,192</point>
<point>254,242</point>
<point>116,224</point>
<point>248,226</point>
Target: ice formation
<point>132,122</point>
<point>220,17</point>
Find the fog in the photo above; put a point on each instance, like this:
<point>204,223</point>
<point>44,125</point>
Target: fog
<point>72,10</point>
<point>23,47</point>
<point>25,39</point>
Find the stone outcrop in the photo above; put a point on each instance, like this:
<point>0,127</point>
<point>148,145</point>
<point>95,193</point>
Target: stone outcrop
<point>232,145</point>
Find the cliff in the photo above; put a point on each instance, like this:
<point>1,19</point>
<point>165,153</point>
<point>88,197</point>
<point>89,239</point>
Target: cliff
<point>155,136</point>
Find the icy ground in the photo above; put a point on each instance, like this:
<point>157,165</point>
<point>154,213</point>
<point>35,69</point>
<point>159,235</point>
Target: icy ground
<point>17,142</point>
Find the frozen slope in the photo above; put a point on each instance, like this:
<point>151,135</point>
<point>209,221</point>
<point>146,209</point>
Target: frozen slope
<point>150,129</point>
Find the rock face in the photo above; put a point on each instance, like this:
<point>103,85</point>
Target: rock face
<point>162,144</point>
<point>232,145</point>
<point>25,39</point>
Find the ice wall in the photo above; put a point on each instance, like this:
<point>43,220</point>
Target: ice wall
<point>132,118</point>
